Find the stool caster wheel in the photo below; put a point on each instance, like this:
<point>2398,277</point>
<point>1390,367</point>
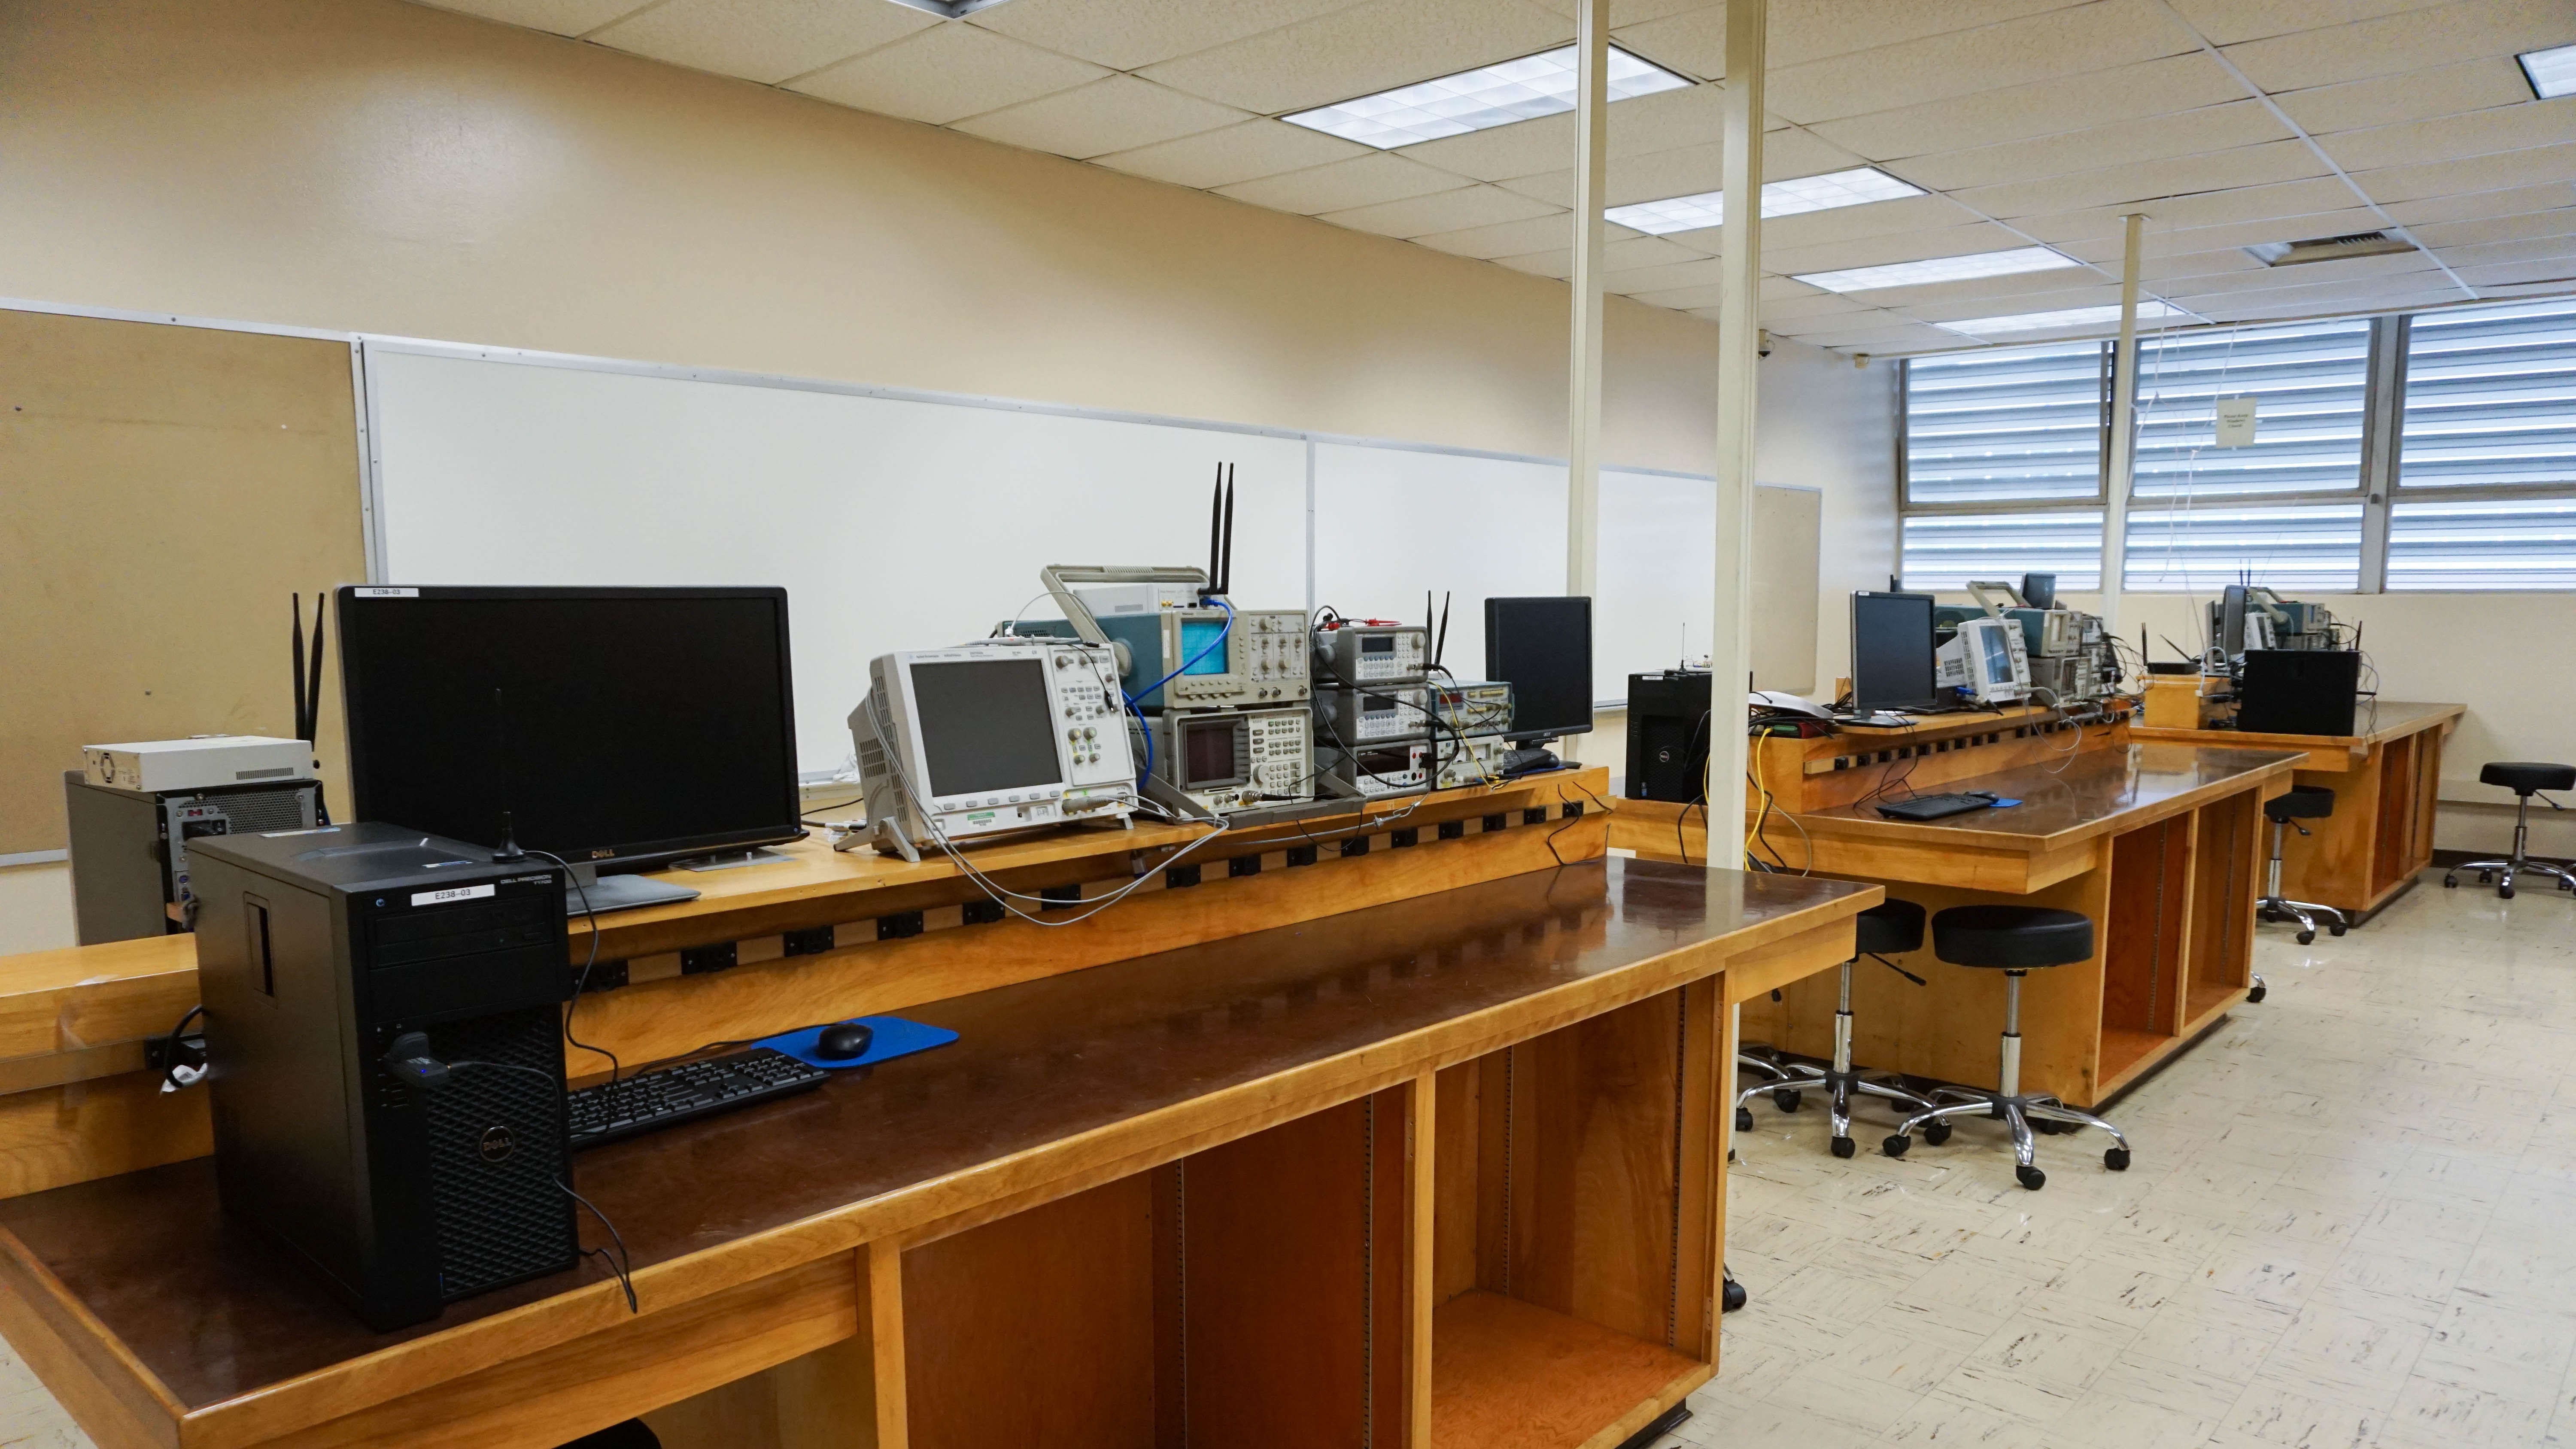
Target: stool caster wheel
<point>1895,1146</point>
<point>1732,1296</point>
<point>1743,1119</point>
<point>2450,882</point>
<point>1845,1147</point>
<point>2486,877</point>
<point>2504,893</point>
<point>1786,1100</point>
<point>2116,1159</point>
<point>1937,1133</point>
<point>2337,930</point>
<point>2258,993</point>
<point>2031,1177</point>
<point>2307,938</point>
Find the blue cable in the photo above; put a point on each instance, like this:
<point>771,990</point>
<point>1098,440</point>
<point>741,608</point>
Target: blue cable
<point>1139,710</point>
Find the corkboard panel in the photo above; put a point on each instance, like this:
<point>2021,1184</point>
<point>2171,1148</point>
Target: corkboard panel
<point>163,489</point>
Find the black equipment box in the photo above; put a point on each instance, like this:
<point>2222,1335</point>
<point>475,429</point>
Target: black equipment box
<point>1668,735</point>
<point>315,950</point>
<point>2298,691</point>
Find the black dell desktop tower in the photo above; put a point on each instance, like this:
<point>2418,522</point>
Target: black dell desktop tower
<point>316,949</point>
<point>2298,691</point>
<point>1668,735</point>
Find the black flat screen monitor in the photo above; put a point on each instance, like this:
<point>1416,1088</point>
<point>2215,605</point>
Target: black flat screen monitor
<point>1542,647</point>
<point>633,726</point>
<point>1891,652</point>
<point>2039,590</point>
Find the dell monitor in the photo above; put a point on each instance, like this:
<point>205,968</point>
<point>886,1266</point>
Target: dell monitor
<point>1891,652</point>
<point>1542,648</point>
<point>621,729</point>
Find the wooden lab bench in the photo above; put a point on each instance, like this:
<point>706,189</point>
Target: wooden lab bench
<point>2386,781</point>
<point>1386,1128</point>
<point>2161,845</point>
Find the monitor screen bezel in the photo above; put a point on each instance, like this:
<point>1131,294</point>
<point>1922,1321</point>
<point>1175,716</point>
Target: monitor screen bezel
<point>355,602</point>
<point>1931,631</point>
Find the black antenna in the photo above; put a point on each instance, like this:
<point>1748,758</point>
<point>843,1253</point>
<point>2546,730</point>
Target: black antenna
<point>1216,522</point>
<point>313,689</point>
<point>1228,589</point>
<point>509,853</point>
<point>1440,651</point>
<point>295,610</point>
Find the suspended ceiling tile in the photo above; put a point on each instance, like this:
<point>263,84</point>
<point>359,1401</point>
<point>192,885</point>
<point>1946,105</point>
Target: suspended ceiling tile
<point>1678,299</point>
<point>946,73</point>
<point>2499,291</point>
<point>2187,133</point>
<point>2041,108</point>
<point>2160,242</point>
<point>2054,43</point>
<point>2098,292</point>
<point>1366,48</point>
<point>1512,238</point>
<point>2270,307</point>
<point>2166,273</point>
<point>1699,272</point>
<point>2209,208</point>
<point>2521,249</point>
<point>2558,222</point>
<point>1879,251</point>
<point>2559,272</point>
<point>1799,309</point>
<point>1341,185</point>
<point>2353,270</point>
<point>2388,100</point>
<point>1558,263</point>
<point>1442,211</point>
<point>2504,201</point>
<point>2226,22</point>
<point>1807,30</point>
<point>2150,181</point>
<point>559,17</point>
<point>2321,296</point>
<point>2021,292</point>
<point>1124,35</point>
<point>1637,12</point>
<point>1238,153</point>
<point>1114,113</point>
<point>1691,116</point>
<point>2448,138</point>
<point>2412,40</point>
<point>762,40</point>
<point>1852,223</point>
<point>2475,173</point>
<point>1885,338</point>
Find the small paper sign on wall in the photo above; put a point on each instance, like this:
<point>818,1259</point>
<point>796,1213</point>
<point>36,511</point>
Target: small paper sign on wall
<point>2236,421</point>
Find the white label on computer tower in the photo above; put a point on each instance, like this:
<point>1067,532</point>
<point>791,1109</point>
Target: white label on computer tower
<point>385,593</point>
<point>452,893</point>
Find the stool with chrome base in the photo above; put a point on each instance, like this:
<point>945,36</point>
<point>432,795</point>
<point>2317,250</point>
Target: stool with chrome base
<point>2015,940</point>
<point>2525,779</point>
<point>2285,811</point>
<point>1888,929</point>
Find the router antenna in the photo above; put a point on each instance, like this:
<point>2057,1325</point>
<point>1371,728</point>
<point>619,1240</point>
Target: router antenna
<point>1440,651</point>
<point>509,851</point>
<point>1216,521</point>
<point>313,689</point>
<point>1228,589</point>
<point>295,609</point>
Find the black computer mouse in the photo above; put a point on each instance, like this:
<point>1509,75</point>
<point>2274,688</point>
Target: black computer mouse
<point>845,1040</point>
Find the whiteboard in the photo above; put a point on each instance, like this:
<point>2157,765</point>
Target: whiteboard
<point>893,524</point>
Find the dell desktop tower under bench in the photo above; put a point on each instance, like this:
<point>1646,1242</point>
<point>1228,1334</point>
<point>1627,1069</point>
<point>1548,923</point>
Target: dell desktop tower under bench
<point>1668,735</point>
<point>316,951</point>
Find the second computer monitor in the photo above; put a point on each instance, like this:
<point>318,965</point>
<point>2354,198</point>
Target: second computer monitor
<point>1542,647</point>
<point>1891,652</point>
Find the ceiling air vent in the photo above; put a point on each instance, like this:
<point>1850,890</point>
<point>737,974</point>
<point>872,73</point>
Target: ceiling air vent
<point>2329,248</point>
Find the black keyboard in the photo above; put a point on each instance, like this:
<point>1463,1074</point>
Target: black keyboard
<point>1933,807</point>
<point>669,1096</point>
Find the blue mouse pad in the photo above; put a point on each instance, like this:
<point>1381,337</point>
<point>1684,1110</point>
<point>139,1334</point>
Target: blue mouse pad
<point>2005,804</point>
<point>895,1037</point>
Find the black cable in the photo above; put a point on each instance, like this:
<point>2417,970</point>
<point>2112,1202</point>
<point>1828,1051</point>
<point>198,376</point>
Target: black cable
<point>623,1265</point>
<point>581,983</point>
<point>170,1049</point>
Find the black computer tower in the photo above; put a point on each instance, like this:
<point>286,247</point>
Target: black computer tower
<point>315,950</point>
<point>129,848</point>
<point>2298,691</point>
<point>1668,735</point>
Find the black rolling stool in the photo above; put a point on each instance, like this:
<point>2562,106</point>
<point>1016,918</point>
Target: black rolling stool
<point>1888,929</point>
<point>630,1435</point>
<point>2285,811</point>
<point>2015,940</point>
<point>2524,779</point>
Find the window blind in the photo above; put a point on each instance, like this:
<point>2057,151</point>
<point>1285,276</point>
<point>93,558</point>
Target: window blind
<point>2315,546</point>
<point>1945,550</point>
<point>2308,381</point>
<point>2464,545</point>
<point>2491,397</point>
<point>2020,423</point>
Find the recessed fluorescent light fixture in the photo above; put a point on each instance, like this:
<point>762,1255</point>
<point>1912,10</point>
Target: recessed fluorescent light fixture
<point>1779,198</point>
<point>953,9</point>
<point>1939,269</point>
<point>2552,73</point>
<point>1473,100</point>
<point>2059,321</point>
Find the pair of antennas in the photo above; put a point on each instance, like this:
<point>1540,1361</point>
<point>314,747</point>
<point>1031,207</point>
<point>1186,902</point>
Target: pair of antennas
<point>1220,574</point>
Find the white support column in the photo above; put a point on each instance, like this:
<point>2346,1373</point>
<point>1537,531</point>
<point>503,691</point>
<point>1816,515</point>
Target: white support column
<point>1583,373</point>
<point>2122,464</point>
<point>1739,322</point>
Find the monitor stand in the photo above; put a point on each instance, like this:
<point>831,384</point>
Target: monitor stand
<point>621,892</point>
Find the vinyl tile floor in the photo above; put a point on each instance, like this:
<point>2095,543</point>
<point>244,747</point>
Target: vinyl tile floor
<point>2351,1222</point>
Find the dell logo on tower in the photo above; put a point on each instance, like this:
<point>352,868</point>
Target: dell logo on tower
<point>496,1144</point>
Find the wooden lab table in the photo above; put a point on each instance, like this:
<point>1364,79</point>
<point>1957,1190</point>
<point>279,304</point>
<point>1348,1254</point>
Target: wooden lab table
<point>1422,1142</point>
<point>2386,781</point>
<point>2160,844</point>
